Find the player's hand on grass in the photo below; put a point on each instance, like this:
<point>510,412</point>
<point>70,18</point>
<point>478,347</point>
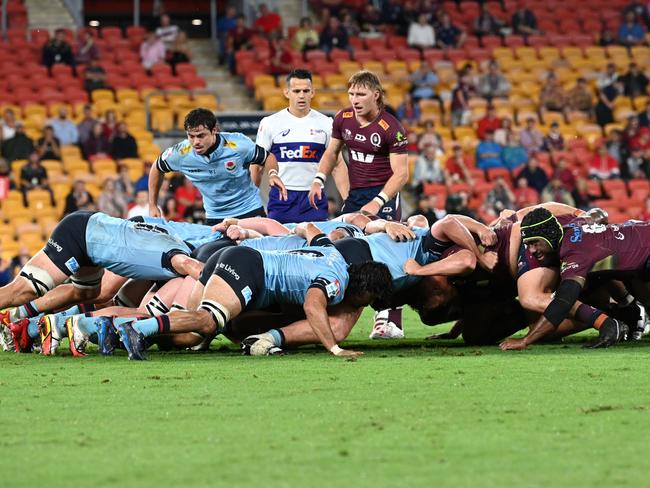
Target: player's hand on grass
<point>371,208</point>
<point>277,182</point>
<point>444,335</point>
<point>347,353</point>
<point>315,194</point>
<point>154,211</point>
<point>411,266</point>
<point>399,232</point>
<point>488,237</point>
<point>513,345</point>
<point>610,332</point>
<point>488,260</point>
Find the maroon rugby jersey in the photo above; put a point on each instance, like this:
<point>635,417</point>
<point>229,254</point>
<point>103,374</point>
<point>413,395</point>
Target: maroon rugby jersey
<point>597,248</point>
<point>369,146</point>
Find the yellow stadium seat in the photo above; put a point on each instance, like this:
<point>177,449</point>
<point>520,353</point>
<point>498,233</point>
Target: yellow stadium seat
<point>52,166</point>
<point>33,108</point>
<point>376,67</point>
<point>16,166</point>
<point>162,119</point>
<point>136,119</point>
<point>548,52</point>
<point>14,211</point>
<point>14,197</point>
<point>395,65</point>
<point>74,168</point>
<point>623,102</point>
<point>274,102</point>
<point>263,91</point>
<point>617,51</point>
<point>614,126</point>
<point>60,190</point>
<point>336,81</point>
<point>572,52</point>
<point>38,199</point>
<point>69,150</point>
<point>123,94</point>
<point>102,94</point>
<point>45,216</point>
<point>104,165</point>
<point>206,100</point>
<point>526,52</point>
<point>157,102</point>
<point>623,113</point>
<point>502,52</point>
<point>263,80</point>
<point>595,52</point>
<point>11,248</point>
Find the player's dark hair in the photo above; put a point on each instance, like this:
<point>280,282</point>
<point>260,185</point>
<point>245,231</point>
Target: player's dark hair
<point>200,117</point>
<point>541,224</point>
<point>372,278</point>
<point>368,79</point>
<point>300,74</point>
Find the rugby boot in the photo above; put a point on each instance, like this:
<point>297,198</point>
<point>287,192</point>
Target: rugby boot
<point>107,338</point>
<point>258,345</point>
<point>21,339</point>
<point>384,328</point>
<point>6,339</point>
<point>78,339</point>
<point>133,341</point>
<point>50,335</point>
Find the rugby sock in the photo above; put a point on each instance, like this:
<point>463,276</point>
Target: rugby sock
<point>26,311</point>
<point>88,324</point>
<point>153,326</point>
<point>32,328</point>
<point>590,316</point>
<point>395,316</point>
<point>86,307</point>
<point>277,337</point>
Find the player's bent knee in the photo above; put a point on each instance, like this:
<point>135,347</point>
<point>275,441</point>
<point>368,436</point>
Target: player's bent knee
<point>39,280</point>
<point>155,306</point>
<point>219,314</point>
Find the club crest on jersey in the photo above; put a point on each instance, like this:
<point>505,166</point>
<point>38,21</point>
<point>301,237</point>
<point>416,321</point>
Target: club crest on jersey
<point>333,289</point>
<point>167,153</point>
<point>360,138</point>
<point>383,124</point>
<point>347,134</point>
<point>347,115</point>
<point>230,165</point>
<point>375,139</point>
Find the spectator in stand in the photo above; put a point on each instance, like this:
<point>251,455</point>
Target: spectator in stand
<point>87,49</point>
<point>85,127</point>
<point>143,182</point>
<point>644,117</point>
<point>306,37</point>
<point>449,35</point>
<point>606,101</point>
<point>350,25</point>
<point>606,38</point>
<point>457,167</point>
<point>493,84</point>
<point>79,198</point>
<point>457,204</point>
<point>268,23</point>
<point>408,112</point>
<point>109,124</point>
<point>631,131</point>
<point>534,174</point>
<point>421,34</point>
<point>637,164</point>
<point>334,36</point>
<point>645,213</point>
<point>34,176</point>
<point>553,140</point>
<point>58,50</point>
<point>552,98</point>
<point>531,137</point>
<point>97,145</point>
<point>609,77</point>
<point>631,32</point>
<point>6,274</point>
<point>615,146</point>
<point>556,192</point>
<point>504,133</point>
<point>179,52</point>
<point>464,90</point>
<point>281,58</point>
<point>393,14</point>
<point>423,83</point>
<point>489,122</point>
<point>123,182</point>
<point>640,10</point>
<point>370,20</point>
<point>499,198</point>
<point>581,195</point>
<point>602,166</point>
<point>65,129</point>
<point>48,146</point>
<point>225,24</point>
<point>579,98</point>
<point>524,22</point>
<point>152,51</point>
<point>20,146</point>
<point>635,82</point>
<point>486,24</point>
<point>428,168</point>
<point>167,31</point>
<point>111,200</point>
<point>237,38</point>
<point>525,196</point>
<point>186,196</point>
<point>429,136</point>
<point>564,174</point>
<point>170,211</point>
<point>94,77</point>
<point>8,125</point>
<point>488,153</point>
<point>19,261</point>
<point>514,154</point>
<point>123,144</point>
<point>427,207</point>
<point>141,207</point>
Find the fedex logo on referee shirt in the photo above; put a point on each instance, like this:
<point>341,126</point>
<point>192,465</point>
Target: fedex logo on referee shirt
<point>299,152</point>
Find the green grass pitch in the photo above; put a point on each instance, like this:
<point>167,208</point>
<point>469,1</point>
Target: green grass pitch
<point>408,413</point>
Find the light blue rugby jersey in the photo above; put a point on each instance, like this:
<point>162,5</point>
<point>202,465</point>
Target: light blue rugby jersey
<point>288,275</point>
<point>223,177</point>
<point>194,234</point>
<point>275,243</point>
<point>394,254</point>
<point>130,249</point>
<point>328,226</point>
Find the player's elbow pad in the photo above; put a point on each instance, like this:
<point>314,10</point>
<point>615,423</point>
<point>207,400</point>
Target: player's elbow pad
<point>565,296</point>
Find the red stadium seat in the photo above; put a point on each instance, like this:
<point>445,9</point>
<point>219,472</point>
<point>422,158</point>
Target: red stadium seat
<point>111,32</point>
<point>490,42</point>
<point>339,55</point>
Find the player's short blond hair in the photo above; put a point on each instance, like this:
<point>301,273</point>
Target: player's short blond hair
<point>368,79</point>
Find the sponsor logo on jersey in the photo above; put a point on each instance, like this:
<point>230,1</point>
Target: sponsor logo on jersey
<point>375,139</point>
<point>184,150</point>
<point>567,266</point>
<point>247,293</point>
<point>313,132</point>
<point>72,265</point>
<point>228,269</point>
<point>360,138</point>
<point>230,145</point>
<point>285,133</point>
<point>167,152</point>
<point>361,157</point>
<point>577,233</point>
<point>230,165</point>
<point>383,124</point>
<point>333,289</point>
<point>399,137</point>
<point>347,115</point>
<point>55,245</point>
<point>197,170</point>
